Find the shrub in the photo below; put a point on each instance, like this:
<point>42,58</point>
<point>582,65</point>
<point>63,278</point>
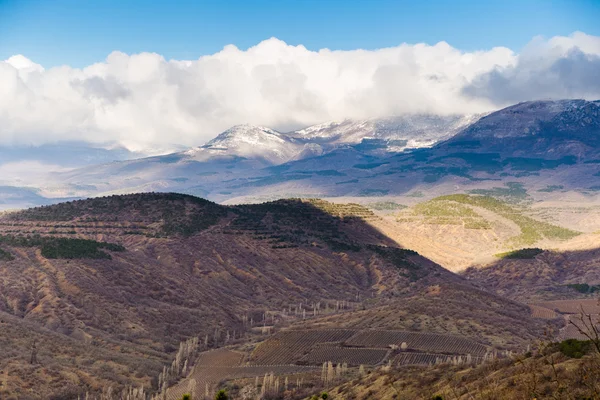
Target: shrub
<point>6,256</point>
<point>222,395</point>
<point>574,348</point>
<point>521,254</point>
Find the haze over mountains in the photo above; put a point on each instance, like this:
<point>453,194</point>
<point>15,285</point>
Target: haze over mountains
<point>545,143</point>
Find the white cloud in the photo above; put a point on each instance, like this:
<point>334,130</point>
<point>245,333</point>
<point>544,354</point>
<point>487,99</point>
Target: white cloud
<point>143,100</point>
<point>25,173</point>
<point>562,67</point>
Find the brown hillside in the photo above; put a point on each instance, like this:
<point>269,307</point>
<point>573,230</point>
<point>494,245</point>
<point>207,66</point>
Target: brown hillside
<point>150,270</point>
<point>540,275</point>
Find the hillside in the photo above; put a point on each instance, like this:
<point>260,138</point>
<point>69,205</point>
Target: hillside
<point>534,274</point>
<point>463,230</point>
<point>552,371</point>
<point>156,269</point>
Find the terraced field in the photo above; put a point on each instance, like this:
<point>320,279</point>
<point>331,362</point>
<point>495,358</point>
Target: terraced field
<point>355,347</point>
<point>589,306</point>
<point>542,312</point>
<point>304,351</point>
<point>220,358</point>
<point>343,210</point>
<point>351,356</point>
<point>426,342</point>
<point>290,346</point>
<point>571,331</point>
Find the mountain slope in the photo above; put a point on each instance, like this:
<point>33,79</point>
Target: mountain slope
<point>249,141</point>
<point>387,134</point>
<point>551,129</point>
<point>548,147</point>
<point>191,267</point>
<point>222,168</point>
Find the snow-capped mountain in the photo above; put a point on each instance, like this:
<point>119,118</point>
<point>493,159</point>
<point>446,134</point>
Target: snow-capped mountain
<point>396,133</point>
<point>374,136</point>
<point>554,142</point>
<point>392,134</point>
<point>249,141</point>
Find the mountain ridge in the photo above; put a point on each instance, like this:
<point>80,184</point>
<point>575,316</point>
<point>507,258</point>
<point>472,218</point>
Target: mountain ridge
<point>553,140</point>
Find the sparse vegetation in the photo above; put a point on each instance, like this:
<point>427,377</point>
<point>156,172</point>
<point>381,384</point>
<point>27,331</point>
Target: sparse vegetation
<point>399,258</point>
<point>275,264</point>
<point>450,213</point>
<point>178,214</point>
<point>386,206</point>
<point>584,287</point>
<point>374,192</point>
<point>521,254</point>
<point>513,192</point>
<point>370,165</point>
<point>531,230</point>
<point>551,188</point>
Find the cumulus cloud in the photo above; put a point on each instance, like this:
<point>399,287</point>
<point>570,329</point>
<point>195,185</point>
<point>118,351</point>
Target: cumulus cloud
<point>143,101</point>
<point>562,67</point>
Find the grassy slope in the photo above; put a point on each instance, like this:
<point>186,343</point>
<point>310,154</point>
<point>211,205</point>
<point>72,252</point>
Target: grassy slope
<point>459,231</point>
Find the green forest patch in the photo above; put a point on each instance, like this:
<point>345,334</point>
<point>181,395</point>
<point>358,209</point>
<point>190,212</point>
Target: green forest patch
<point>63,248</point>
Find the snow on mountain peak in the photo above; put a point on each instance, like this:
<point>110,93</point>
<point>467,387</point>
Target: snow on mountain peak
<point>394,134</point>
<point>250,141</point>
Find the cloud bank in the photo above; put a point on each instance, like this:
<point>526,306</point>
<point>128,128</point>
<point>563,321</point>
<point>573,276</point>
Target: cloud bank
<point>143,101</point>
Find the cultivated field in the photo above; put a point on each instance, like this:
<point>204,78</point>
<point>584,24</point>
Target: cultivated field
<point>295,352</point>
<point>351,356</point>
<point>426,342</point>
<point>289,347</point>
<point>578,328</point>
<point>542,312</point>
<point>355,347</point>
<point>589,306</point>
<point>220,358</point>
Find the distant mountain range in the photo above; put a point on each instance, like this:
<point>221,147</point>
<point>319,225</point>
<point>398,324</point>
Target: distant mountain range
<point>540,143</point>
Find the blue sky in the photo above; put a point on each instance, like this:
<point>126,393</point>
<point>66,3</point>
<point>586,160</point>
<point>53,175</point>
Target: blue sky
<point>80,32</point>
